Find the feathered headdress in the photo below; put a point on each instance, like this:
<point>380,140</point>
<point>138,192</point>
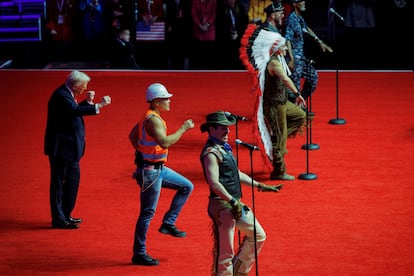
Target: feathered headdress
<point>257,45</point>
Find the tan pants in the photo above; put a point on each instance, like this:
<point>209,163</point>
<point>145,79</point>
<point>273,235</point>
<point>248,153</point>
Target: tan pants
<point>224,227</point>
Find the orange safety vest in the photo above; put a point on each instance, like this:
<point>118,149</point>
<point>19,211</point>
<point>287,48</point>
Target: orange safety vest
<point>151,151</point>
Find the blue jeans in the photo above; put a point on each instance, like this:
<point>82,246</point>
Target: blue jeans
<point>150,181</point>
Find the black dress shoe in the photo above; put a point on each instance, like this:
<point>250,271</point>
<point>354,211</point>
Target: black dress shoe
<point>64,224</point>
<point>144,259</point>
<point>75,220</point>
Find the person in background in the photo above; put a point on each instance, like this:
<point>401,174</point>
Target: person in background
<point>360,25</point>
<point>93,27</point>
<point>151,141</point>
<point>64,144</point>
<point>225,207</point>
<point>122,52</point>
<point>150,11</point>
<point>117,15</point>
<point>62,19</point>
<point>178,33</point>
<point>256,13</point>
<point>203,14</point>
<point>231,24</point>
<point>295,31</point>
<point>274,16</point>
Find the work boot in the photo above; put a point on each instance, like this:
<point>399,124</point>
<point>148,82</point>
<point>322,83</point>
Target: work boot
<point>236,266</point>
<point>284,176</point>
<point>171,230</point>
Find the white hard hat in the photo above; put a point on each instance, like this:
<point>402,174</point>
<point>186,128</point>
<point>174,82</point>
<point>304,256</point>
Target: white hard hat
<point>157,91</point>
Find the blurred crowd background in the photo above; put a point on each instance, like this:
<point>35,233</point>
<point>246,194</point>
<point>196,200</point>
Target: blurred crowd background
<point>165,34</point>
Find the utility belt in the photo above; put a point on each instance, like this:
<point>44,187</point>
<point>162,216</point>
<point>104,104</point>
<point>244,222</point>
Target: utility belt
<point>151,165</point>
<point>140,162</point>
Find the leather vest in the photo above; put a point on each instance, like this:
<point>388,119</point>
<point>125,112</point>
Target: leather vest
<point>274,89</point>
<point>228,169</point>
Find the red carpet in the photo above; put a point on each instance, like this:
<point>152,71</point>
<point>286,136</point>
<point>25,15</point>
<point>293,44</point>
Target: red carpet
<point>356,218</point>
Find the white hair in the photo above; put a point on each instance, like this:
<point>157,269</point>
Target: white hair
<point>75,77</point>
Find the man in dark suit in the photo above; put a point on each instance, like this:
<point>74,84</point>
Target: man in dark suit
<point>65,145</point>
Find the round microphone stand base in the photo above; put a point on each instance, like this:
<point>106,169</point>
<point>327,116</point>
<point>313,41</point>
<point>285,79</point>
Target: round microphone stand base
<point>307,176</point>
<point>337,121</point>
<point>310,146</point>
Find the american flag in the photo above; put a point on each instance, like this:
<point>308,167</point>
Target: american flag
<point>155,31</point>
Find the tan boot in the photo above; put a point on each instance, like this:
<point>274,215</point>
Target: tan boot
<point>236,267</point>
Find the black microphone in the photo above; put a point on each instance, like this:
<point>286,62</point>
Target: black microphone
<point>310,61</point>
<point>249,146</point>
<point>239,118</point>
<point>331,10</point>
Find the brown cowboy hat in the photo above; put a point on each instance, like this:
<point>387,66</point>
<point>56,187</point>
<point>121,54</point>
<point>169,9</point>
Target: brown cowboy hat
<point>217,118</point>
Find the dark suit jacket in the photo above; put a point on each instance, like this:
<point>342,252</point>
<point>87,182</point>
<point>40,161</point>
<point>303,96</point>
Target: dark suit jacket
<point>65,128</point>
<point>122,55</point>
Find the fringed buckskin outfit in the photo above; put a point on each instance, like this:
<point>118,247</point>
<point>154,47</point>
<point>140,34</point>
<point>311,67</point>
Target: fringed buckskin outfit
<point>276,118</point>
<point>283,117</point>
<point>226,262</point>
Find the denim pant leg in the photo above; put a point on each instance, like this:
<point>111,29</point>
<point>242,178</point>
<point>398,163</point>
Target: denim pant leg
<point>150,183</point>
<point>183,187</point>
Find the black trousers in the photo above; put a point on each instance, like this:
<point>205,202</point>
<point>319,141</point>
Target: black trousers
<point>64,185</point>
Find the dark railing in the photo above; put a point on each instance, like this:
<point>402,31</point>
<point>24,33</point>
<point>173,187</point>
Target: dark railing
<point>22,20</point>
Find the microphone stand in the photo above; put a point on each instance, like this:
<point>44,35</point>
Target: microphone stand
<point>237,145</point>
<point>237,161</point>
<point>337,120</point>
<point>308,146</point>
<point>254,213</point>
